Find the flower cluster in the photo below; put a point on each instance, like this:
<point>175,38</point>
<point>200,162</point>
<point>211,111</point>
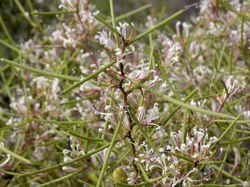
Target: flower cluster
<point>103,104</point>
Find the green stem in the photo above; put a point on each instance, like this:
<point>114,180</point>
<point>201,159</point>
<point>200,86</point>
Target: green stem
<point>41,72</point>
<point>60,122</point>
<point>227,174</point>
<point>88,77</point>
<point>190,95</point>
<point>220,185</point>
<point>112,13</point>
<point>7,33</point>
<point>65,163</point>
<point>12,47</point>
<point>182,104</point>
<point>185,127</point>
<point>133,12</point>
<point>143,132</point>
<point>162,23</point>
<point>118,18</point>
<point>9,172</point>
<point>118,162</point>
<point>104,22</point>
<point>237,140</point>
<point>61,178</point>
<point>25,14</point>
<point>71,133</point>
<point>143,172</point>
<point>51,13</point>
<point>14,155</point>
<point>151,58</point>
<point>226,131</point>
<point>222,165</point>
<point>230,121</point>
<point>113,141</point>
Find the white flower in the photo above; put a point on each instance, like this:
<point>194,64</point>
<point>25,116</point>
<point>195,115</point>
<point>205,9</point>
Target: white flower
<point>161,150</point>
<point>107,107</point>
<point>88,18</point>
<point>74,150</point>
<point>68,169</point>
<point>233,85</point>
<point>141,113</point>
<point>215,29</point>
<point>26,14</point>
<point>68,4</point>
<point>105,39</point>
<point>139,73</point>
<point>151,21</point>
<point>206,7</point>
<point>123,29</point>
<point>151,115</point>
<point>185,29</point>
<point>88,86</point>
<point>19,105</point>
<point>57,35</point>
<point>201,72</point>
<point>212,139</point>
<point>41,82</point>
<point>199,134</point>
<point>70,36</point>
<point>246,115</point>
<point>105,116</point>
<point>55,89</point>
<point>132,178</point>
<point>171,50</point>
<point>172,54</point>
<point>153,82</point>
<point>245,184</point>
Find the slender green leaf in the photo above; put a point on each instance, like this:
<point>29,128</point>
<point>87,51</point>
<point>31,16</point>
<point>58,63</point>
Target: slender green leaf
<point>11,46</point>
<point>227,174</point>
<point>133,12</point>
<point>14,155</point>
<point>162,23</point>
<point>88,77</point>
<point>51,13</point>
<point>61,178</point>
<point>182,104</point>
<point>113,141</point>
<point>40,72</point>
<point>226,131</point>
<point>48,169</point>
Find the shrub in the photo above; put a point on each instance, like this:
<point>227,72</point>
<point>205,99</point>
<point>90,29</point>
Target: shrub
<point>94,100</point>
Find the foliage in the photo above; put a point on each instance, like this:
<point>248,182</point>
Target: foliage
<point>92,100</point>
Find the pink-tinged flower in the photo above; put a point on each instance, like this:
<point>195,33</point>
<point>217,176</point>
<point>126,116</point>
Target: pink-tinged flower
<point>123,29</point>
<point>104,38</point>
<point>68,4</point>
<point>148,117</point>
<point>139,73</point>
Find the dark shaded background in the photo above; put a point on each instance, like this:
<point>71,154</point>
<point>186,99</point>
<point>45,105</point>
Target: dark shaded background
<point>21,31</point>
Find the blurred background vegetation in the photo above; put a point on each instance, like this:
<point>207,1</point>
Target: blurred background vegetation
<point>21,30</point>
